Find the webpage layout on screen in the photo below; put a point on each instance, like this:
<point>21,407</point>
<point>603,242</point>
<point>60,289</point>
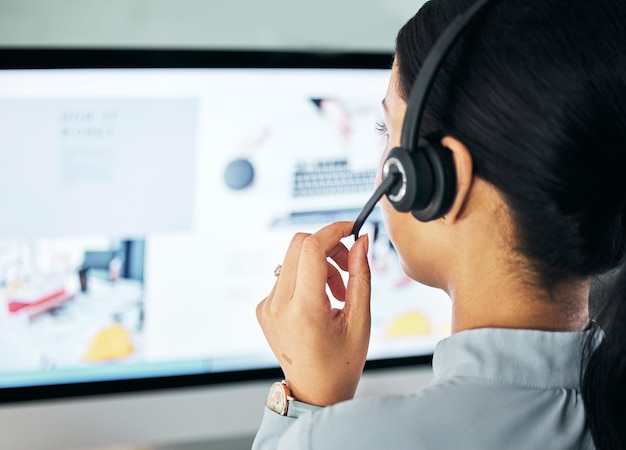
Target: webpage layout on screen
<point>144,211</point>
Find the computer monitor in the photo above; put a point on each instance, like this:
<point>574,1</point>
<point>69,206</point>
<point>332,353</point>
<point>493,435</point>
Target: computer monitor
<point>147,197</point>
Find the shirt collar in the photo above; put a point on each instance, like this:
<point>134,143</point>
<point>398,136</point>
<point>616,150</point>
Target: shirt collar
<point>533,358</point>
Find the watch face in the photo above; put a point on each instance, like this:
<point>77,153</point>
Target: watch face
<point>277,399</point>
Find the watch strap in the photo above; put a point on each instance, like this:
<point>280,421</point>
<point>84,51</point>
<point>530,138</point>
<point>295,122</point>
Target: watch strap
<point>296,408</point>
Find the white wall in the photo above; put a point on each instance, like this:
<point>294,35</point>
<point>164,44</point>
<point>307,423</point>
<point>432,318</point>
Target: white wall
<point>359,25</point>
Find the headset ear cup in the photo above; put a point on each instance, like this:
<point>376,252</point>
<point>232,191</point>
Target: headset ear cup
<point>443,181</point>
<point>414,189</point>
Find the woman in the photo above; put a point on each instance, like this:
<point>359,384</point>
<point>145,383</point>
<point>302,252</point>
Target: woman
<point>531,105</point>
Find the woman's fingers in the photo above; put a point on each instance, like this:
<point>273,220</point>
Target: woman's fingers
<point>306,270</point>
<point>312,274</point>
<point>286,281</point>
<point>339,254</point>
<point>357,308</point>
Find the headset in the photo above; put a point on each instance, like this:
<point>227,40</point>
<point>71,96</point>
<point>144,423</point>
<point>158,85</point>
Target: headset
<point>419,176</point>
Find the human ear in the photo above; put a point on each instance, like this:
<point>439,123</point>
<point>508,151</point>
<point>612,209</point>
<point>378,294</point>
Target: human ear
<point>463,166</point>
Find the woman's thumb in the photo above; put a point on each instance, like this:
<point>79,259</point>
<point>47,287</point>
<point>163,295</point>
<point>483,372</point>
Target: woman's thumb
<point>359,289</point>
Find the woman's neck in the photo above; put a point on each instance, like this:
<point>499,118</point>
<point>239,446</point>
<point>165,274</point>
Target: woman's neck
<point>494,299</point>
<point>490,283</point>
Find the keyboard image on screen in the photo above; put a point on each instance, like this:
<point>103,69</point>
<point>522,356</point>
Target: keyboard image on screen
<point>330,177</point>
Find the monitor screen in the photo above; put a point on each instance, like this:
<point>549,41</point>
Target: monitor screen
<point>147,197</point>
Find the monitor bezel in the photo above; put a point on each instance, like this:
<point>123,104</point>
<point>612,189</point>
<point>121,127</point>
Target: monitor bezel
<point>137,58</point>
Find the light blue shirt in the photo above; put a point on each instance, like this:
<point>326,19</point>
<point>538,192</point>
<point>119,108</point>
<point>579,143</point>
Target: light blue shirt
<point>491,389</point>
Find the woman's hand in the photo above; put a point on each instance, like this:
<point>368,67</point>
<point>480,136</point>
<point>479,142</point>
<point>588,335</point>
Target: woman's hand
<point>321,350</point>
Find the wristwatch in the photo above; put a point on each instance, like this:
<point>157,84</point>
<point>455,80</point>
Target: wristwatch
<point>280,401</point>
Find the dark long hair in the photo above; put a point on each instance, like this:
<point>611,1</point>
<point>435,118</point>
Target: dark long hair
<point>536,90</point>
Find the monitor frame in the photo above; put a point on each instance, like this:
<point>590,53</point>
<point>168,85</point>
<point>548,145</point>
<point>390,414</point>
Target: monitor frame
<point>121,58</point>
